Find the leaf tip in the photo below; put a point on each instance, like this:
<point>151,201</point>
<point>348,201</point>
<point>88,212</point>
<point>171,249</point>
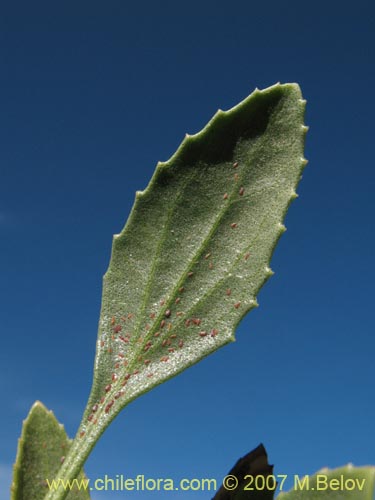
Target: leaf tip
<point>37,408</point>
<point>38,404</point>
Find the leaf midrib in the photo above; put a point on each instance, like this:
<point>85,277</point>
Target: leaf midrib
<point>148,289</point>
<point>199,252</point>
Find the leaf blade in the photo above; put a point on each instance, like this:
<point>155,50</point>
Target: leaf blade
<point>193,254</point>
<point>341,479</point>
<point>184,217</point>
<point>41,450</point>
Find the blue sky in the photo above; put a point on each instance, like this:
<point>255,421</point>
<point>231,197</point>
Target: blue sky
<point>93,94</point>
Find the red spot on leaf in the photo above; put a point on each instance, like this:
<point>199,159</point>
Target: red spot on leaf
<point>109,406</point>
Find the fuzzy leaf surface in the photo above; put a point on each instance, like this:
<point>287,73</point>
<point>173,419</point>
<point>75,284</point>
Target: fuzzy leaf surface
<point>41,448</point>
<point>344,483</point>
<point>197,246</point>
<point>194,252</point>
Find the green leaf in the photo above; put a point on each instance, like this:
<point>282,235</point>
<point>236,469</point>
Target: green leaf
<point>189,263</point>
<point>41,450</point>
<point>194,253</point>
<point>345,483</point>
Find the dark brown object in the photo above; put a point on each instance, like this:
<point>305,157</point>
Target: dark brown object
<point>254,463</point>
